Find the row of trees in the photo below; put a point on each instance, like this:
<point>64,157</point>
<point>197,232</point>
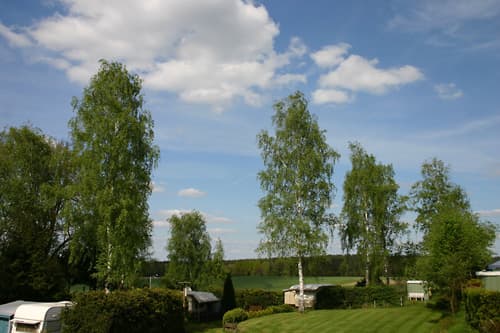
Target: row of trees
<point>298,191</point>
<point>78,210</point>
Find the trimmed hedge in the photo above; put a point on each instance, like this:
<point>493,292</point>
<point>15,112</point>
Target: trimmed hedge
<point>337,297</point>
<point>246,298</point>
<point>482,309</point>
<point>330,298</point>
<point>134,311</point>
<point>271,310</point>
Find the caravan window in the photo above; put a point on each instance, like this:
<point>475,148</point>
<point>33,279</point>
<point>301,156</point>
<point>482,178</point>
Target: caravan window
<point>26,328</point>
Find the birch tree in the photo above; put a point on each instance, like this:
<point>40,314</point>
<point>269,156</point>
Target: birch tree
<point>113,139</point>
<point>297,185</point>
<point>371,212</point>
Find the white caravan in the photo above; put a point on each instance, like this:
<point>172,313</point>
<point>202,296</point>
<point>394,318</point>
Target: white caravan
<point>38,317</point>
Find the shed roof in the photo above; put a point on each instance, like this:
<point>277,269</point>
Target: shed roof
<point>309,287</point>
<point>203,296</point>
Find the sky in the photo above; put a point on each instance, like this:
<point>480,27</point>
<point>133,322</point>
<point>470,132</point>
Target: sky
<point>409,80</point>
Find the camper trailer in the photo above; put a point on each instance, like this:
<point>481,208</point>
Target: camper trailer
<point>7,312</point>
<point>38,317</point>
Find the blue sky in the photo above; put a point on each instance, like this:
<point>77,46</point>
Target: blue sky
<point>408,80</point>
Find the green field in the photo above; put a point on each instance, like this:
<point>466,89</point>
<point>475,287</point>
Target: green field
<point>282,282</point>
<point>411,319</point>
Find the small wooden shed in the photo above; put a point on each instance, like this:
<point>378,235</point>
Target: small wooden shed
<point>417,290</point>
<point>292,294</point>
<point>203,305</point>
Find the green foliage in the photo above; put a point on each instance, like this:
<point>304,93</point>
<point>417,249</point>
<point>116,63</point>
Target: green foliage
<point>235,316</point>
<point>246,298</point>
<point>189,251</point>
<point>330,298</point>
<point>455,242</point>
<point>139,310</point>
<point>113,139</point>
<point>274,309</point>
<point>483,309</point>
<point>371,212</point>
<point>296,181</point>
<point>35,172</point>
<point>228,301</point>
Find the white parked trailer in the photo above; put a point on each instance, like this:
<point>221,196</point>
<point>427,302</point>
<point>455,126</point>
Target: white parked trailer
<point>39,317</point>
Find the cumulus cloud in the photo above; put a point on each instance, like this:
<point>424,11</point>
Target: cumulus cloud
<point>207,52</point>
<point>191,193</point>
<point>448,91</point>
<point>157,188</point>
<point>356,74</point>
<point>331,55</point>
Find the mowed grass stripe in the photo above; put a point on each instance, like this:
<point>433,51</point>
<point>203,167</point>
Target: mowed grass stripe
<point>411,319</point>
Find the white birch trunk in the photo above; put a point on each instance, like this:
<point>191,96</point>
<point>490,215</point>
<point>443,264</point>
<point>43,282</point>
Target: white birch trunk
<point>301,286</point>
<point>367,267</point>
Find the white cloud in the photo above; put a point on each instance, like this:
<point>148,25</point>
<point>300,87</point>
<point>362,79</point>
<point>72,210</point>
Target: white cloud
<point>359,74</point>
<point>220,231</point>
<point>447,15</point>
<point>323,96</point>
<point>207,52</point>
<point>330,55</point>
<point>448,91</point>
<point>356,74</point>
<point>489,213</point>
<point>14,39</point>
<point>191,193</point>
<point>161,224</point>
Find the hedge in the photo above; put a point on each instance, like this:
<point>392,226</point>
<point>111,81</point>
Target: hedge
<point>235,316</point>
<point>134,311</point>
<point>245,298</point>
<point>482,309</point>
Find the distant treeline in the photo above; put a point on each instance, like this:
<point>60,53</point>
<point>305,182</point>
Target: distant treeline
<point>329,265</point>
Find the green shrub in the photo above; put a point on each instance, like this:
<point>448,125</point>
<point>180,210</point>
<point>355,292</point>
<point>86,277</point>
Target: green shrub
<point>482,309</point>
<point>235,316</point>
<point>330,298</point>
<point>263,298</point>
<point>134,311</point>
<point>271,310</point>
<point>382,295</point>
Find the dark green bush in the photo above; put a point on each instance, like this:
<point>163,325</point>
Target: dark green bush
<point>235,316</point>
<point>257,297</point>
<point>134,311</point>
<point>482,309</point>
<point>365,296</point>
<point>330,298</point>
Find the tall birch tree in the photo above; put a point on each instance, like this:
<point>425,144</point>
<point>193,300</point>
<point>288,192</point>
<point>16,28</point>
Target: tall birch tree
<point>112,137</point>
<point>371,212</point>
<point>297,185</point>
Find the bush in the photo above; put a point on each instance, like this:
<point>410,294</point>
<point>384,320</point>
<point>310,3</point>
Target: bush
<point>248,297</point>
<point>235,316</point>
<point>382,295</point>
<point>271,310</point>
<point>330,298</point>
<point>134,311</point>
<point>482,309</point>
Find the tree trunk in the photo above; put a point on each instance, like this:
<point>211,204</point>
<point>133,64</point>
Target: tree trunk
<point>301,287</point>
<point>367,267</point>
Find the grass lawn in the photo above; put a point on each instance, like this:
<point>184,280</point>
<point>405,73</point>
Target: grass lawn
<point>412,319</point>
<point>282,282</point>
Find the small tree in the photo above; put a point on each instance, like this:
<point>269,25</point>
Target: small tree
<point>189,250</point>
<point>228,301</point>
<point>297,185</point>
